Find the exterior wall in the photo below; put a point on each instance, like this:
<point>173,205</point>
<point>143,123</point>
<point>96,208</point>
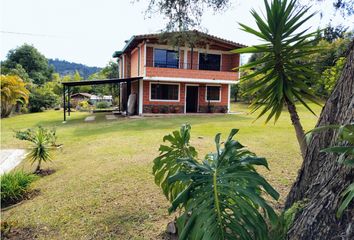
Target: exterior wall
<point>178,106</point>
<point>134,63</point>
<point>229,61</point>
<point>142,59</point>
<point>195,60</point>
<point>190,73</point>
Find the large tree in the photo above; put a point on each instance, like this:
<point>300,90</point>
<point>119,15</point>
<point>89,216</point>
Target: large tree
<point>31,60</point>
<point>322,179</point>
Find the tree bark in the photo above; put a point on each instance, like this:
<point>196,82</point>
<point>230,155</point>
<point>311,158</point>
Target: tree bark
<point>300,134</point>
<point>321,179</point>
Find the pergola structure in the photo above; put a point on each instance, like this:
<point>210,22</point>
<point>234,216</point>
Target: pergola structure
<point>67,85</point>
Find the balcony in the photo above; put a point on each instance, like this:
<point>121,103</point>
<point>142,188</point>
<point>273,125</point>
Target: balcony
<point>188,70</point>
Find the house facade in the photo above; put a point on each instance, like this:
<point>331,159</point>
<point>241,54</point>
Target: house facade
<point>174,79</point>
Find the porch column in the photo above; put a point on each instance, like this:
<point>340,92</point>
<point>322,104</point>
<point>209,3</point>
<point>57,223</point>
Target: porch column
<point>140,97</point>
<point>64,106</point>
<point>69,101</point>
<point>229,98</point>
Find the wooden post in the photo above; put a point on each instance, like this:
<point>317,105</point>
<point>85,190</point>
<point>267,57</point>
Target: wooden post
<point>191,57</point>
<point>69,101</point>
<point>64,106</point>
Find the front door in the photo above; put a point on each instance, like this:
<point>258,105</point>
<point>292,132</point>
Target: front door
<point>192,99</point>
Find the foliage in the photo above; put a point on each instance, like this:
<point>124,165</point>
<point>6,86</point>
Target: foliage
<point>13,90</point>
<point>332,33</point>
<point>283,80</point>
<point>346,156</point>
<point>329,78</point>
<point>221,196</point>
<point>35,64</point>
<point>42,98</point>
<point>102,105</point>
<point>184,15</point>
<point>14,186</point>
<point>69,68</point>
<point>30,135</point>
<point>42,142</point>
<point>84,105</point>
<point>286,220</point>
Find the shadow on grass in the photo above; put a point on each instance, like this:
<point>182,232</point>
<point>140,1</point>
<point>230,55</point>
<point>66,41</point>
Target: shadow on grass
<point>146,124</point>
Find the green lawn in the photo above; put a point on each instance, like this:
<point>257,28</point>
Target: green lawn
<point>103,187</point>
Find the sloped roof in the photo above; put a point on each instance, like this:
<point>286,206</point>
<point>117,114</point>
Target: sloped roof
<point>136,39</point>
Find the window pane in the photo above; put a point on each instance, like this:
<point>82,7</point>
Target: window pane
<point>213,93</point>
<point>165,58</point>
<point>209,62</point>
<point>159,57</point>
<point>164,92</point>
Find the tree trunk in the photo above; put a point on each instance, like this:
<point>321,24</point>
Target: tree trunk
<point>300,134</point>
<point>322,179</point>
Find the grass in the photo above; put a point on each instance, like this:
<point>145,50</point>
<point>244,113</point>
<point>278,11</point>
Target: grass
<point>103,187</point>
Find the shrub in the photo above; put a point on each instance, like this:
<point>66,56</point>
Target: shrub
<point>43,141</point>
<point>14,186</point>
<point>42,98</point>
<point>13,90</point>
<point>84,105</point>
<point>221,197</point>
<point>102,105</point>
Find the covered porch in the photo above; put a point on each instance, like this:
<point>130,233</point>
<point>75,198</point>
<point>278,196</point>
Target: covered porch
<point>124,92</point>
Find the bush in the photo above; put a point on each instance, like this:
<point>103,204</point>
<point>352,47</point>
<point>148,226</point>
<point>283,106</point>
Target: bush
<point>14,186</point>
<point>84,105</point>
<point>102,105</point>
<point>222,195</point>
<point>41,99</point>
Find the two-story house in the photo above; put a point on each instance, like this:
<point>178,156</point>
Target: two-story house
<point>178,79</point>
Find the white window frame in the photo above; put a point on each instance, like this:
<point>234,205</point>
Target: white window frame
<point>185,96</point>
<point>164,100</point>
<point>206,93</point>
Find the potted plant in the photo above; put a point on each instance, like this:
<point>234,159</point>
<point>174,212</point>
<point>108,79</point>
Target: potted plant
<point>155,109</point>
<point>176,109</point>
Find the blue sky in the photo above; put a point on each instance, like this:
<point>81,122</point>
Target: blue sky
<point>89,31</point>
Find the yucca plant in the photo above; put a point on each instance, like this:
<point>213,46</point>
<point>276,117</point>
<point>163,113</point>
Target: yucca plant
<point>283,75</point>
<point>345,134</point>
<point>221,197</point>
<point>40,150</point>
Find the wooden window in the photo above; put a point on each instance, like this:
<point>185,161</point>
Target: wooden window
<point>164,91</point>
<point>213,93</point>
<point>209,62</point>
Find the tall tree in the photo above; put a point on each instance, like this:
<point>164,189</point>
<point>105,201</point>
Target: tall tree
<point>283,78</point>
<point>35,64</point>
<point>321,179</point>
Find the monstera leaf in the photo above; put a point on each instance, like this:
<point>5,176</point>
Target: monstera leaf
<point>220,197</point>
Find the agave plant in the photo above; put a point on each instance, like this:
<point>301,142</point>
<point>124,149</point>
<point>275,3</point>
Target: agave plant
<point>283,75</point>
<point>221,197</point>
<point>346,156</point>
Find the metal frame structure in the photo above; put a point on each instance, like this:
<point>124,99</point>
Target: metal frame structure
<point>67,85</point>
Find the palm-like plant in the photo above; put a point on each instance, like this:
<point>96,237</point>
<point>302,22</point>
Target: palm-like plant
<point>283,75</point>
<point>41,146</point>
<point>13,90</point>
<point>221,196</point>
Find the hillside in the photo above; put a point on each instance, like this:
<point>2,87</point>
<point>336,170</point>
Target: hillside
<point>64,68</point>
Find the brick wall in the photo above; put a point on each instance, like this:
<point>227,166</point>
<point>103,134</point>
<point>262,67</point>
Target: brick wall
<point>195,60</point>
<point>190,73</point>
<point>170,106</point>
<point>229,61</point>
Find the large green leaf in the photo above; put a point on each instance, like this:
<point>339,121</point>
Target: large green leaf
<point>222,197</point>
